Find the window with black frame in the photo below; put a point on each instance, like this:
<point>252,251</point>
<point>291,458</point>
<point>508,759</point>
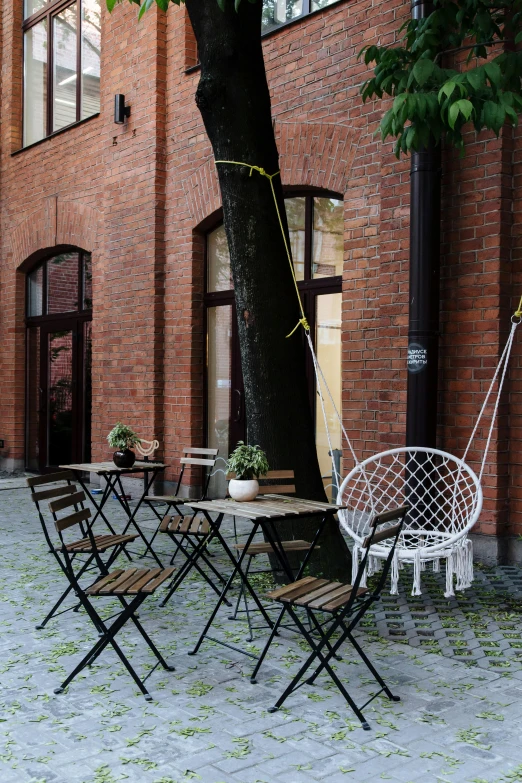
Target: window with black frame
<point>61,80</point>
<point>316,226</point>
<point>280,12</point>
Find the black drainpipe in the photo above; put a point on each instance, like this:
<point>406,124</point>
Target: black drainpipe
<point>423,327</point>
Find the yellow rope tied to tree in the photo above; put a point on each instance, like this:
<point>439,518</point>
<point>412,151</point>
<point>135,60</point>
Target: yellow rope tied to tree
<point>302,321</point>
<point>518,311</point>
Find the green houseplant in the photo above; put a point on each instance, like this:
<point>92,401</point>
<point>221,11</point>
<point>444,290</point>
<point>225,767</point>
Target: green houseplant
<point>248,463</point>
<point>122,438</point>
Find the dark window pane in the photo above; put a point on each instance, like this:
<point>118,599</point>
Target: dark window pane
<point>60,398</point>
<point>32,6</point>
<point>295,213</point>
<point>316,5</point>
<point>218,261</point>
<point>62,283</point>
<point>276,12</point>
<point>328,240</point>
<point>87,281</point>
<point>32,446</point>
<point>87,390</point>
<point>35,292</point>
<point>64,73</point>
<point>91,39</point>
<point>35,83</point>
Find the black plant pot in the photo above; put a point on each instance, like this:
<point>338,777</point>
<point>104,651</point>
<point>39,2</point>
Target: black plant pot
<point>124,459</point>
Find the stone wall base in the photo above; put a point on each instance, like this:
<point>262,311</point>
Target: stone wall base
<point>492,550</point>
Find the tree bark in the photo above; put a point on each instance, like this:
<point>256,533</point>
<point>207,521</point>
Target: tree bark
<point>234,102</point>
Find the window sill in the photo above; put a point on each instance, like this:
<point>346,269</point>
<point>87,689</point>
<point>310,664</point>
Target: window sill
<point>56,133</point>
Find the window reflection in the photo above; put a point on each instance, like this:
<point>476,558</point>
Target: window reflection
<point>35,83</point>
<point>327,239</point>
<point>64,65</point>
<point>35,292</point>
<point>91,41</point>
<point>218,259</point>
<point>296,215</point>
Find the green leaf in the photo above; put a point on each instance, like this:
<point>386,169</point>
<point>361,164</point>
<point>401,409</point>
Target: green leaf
<point>465,108</point>
<point>144,8</point>
<point>398,103</point>
<point>494,73</point>
<point>111,4</point>
<point>422,70</point>
<point>518,37</point>
<point>453,114</point>
<point>447,90</point>
<point>476,78</point>
<point>163,4</point>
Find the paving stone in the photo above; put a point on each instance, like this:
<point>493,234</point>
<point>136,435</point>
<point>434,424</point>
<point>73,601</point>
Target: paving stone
<point>208,720</point>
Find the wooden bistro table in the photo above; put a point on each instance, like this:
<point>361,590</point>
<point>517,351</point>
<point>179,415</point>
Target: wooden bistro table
<point>112,475</point>
<point>264,513</point>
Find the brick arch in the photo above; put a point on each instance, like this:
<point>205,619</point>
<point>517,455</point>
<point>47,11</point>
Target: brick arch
<point>57,222</point>
<point>318,155</point>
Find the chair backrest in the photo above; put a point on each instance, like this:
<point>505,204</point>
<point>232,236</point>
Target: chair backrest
<point>68,502</point>
<point>378,534</point>
<point>276,482</point>
<point>40,490</point>
<point>75,514</point>
<point>205,458</point>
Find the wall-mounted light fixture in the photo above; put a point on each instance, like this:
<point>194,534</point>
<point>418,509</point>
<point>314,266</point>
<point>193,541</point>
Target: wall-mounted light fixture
<point>120,110</point>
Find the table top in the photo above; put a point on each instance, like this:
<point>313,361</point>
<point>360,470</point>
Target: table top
<point>267,506</point>
<point>110,467</point>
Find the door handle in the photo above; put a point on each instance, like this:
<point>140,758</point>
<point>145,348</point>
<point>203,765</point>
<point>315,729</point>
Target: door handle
<point>237,415</point>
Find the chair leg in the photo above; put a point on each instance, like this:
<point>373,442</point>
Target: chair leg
<point>191,562</point>
<point>109,638</point>
<point>316,653</point>
<point>372,668</point>
<point>270,639</point>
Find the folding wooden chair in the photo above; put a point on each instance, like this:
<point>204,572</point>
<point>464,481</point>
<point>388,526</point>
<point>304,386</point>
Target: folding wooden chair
<point>206,458</point>
<point>190,533</point>
<point>276,482</point>
<point>130,587</point>
<point>346,605</point>
<point>67,491</point>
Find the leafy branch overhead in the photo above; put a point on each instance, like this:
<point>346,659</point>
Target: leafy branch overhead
<point>434,101</point>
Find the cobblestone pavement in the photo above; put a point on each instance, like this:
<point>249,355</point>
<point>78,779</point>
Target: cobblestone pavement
<point>456,665</point>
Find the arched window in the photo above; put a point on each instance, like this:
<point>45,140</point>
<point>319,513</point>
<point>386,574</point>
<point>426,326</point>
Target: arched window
<point>58,377</point>
<point>316,233</point>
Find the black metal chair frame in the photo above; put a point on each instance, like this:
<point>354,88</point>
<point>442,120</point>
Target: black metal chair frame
<point>193,546</point>
<point>106,633</point>
<point>344,619</point>
<point>64,490</point>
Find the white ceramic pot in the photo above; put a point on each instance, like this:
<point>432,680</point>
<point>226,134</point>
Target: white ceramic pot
<point>243,489</point>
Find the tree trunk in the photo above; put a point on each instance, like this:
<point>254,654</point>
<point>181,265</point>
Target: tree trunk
<point>234,102</point>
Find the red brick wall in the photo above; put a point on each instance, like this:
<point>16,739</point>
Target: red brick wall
<point>136,196</point>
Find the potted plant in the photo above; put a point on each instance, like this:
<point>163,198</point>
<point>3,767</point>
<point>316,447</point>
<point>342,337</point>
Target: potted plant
<point>248,463</point>
<point>122,438</point>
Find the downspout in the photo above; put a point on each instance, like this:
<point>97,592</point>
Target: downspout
<point>424,292</point>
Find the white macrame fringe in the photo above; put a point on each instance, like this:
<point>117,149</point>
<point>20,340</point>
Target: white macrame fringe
<point>395,574</point>
<point>417,568</point>
<point>449,577</point>
<point>355,562</point>
<point>436,565</point>
<point>464,565</point>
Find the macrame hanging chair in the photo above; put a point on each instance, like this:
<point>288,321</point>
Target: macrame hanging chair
<point>443,492</point>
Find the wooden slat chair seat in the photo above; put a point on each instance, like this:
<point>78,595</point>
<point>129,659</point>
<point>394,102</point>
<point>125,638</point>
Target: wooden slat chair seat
<point>59,488</point>
<point>130,587</point>
<point>346,604</point>
<point>265,548</point>
<point>189,526</point>
<point>103,543</point>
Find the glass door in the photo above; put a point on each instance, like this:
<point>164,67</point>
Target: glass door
<point>58,361</point>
